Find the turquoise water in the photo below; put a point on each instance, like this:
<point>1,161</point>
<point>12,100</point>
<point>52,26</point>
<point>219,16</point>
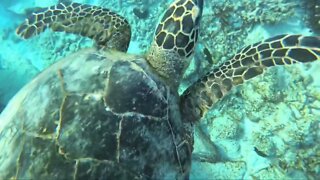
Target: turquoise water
<point>267,128</point>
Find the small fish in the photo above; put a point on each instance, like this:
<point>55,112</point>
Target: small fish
<point>141,13</point>
<point>260,153</point>
<point>208,55</point>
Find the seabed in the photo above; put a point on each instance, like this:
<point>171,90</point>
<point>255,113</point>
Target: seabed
<point>267,128</point>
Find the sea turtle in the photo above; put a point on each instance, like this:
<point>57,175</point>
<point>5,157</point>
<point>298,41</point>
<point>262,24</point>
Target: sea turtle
<point>101,113</point>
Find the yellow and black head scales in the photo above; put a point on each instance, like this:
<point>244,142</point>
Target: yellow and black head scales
<point>175,38</point>
<point>179,27</point>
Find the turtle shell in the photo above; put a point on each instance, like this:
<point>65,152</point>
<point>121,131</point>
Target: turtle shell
<point>95,115</point>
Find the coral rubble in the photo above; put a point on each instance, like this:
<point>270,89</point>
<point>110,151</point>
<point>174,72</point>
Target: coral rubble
<point>266,129</point>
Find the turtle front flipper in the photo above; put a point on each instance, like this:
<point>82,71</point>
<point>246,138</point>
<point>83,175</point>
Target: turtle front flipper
<point>107,28</point>
<point>175,38</point>
<point>248,63</point>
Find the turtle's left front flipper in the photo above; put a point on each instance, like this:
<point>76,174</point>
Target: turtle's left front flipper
<point>107,28</point>
<point>248,63</point>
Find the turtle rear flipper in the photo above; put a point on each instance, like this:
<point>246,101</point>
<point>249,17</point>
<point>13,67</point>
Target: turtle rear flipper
<point>107,28</point>
<point>250,62</point>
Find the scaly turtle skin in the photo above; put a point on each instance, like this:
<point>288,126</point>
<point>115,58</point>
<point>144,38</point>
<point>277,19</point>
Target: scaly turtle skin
<point>250,62</point>
<point>107,28</point>
<point>100,114</point>
<point>175,39</point>
<point>97,113</point>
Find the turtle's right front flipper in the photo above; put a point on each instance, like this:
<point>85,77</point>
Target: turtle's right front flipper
<point>107,28</point>
<point>248,63</point>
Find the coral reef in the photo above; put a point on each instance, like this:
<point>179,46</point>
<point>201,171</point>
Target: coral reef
<point>265,129</point>
<point>58,45</point>
<point>16,67</point>
<point>271,124</point>
<point>264,123</point>
<point>228,170</point>
<point>226,24</point>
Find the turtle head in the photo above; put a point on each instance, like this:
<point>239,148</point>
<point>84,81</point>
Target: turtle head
<point>175,38</point>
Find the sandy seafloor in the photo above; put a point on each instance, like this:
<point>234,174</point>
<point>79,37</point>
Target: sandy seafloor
<point>267,128</point>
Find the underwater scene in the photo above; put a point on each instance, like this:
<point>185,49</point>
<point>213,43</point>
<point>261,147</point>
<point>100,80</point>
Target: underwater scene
<point>160,89</point>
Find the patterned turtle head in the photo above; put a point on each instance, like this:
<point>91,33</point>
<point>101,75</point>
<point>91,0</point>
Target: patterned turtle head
<point>175,39</point>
